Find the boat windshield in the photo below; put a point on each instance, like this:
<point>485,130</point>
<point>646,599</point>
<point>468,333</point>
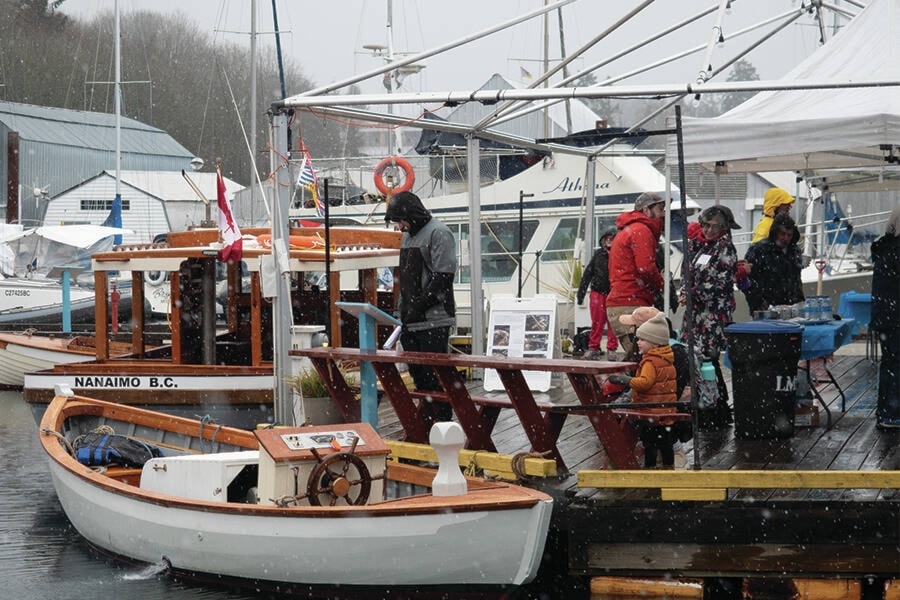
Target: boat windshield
<point>500,248</point>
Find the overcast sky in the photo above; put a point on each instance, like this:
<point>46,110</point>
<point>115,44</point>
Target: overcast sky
<point>327,38</point>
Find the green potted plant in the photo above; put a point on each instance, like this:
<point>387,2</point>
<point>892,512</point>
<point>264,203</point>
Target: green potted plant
<point>318,407</point>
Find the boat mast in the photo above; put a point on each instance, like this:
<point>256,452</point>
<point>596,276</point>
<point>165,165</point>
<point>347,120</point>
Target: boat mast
<point>117,92</point>
<point>253,171</point>
<point>390,79</point>
<point>278,53</point>
<point>546,64</point>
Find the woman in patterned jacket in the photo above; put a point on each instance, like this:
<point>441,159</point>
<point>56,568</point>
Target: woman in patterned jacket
<point>714,269</point>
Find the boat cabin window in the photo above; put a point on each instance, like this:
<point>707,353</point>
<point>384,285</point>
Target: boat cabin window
<point>562,242</point>
<point>499,248</point>
<point>602,224</point>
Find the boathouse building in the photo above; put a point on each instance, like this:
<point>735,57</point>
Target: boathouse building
<point>49,150</point>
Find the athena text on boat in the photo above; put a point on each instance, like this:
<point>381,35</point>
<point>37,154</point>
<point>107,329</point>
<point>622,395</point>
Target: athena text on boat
<point>575,185</point>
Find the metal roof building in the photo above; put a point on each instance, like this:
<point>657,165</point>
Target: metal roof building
<point>152,202</point>
<point>54,149</point>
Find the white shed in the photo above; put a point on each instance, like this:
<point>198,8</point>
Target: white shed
<point>153,202</point>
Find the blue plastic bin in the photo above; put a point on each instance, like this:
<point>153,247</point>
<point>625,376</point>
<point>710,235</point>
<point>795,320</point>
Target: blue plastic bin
<point>764,357</point>
<point>857,306</point>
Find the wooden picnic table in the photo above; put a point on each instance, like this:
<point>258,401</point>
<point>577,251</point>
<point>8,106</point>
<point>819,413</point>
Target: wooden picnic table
<point>541,420</point>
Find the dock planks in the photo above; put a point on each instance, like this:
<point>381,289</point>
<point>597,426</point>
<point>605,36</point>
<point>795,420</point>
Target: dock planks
<point>753,532</point>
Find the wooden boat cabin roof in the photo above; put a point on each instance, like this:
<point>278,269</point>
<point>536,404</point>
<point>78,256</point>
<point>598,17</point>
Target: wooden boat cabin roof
<point>189,258</point>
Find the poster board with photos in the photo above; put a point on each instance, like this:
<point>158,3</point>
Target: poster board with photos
<point>520,327</point>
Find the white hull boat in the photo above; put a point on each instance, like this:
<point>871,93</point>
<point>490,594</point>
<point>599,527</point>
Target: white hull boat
<point>24,352</point>
<point>550,199</point>
<point>34,265</point>
<point>194,509</point>
<point>39,300</point>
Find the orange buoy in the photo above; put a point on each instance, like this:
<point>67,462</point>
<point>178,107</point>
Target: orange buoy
<point>409,177</point>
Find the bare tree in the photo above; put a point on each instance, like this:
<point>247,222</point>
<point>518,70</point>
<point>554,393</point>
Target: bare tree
<point>175,77</point>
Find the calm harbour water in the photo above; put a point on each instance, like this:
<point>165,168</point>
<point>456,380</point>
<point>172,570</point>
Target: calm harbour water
<point>43,557</point>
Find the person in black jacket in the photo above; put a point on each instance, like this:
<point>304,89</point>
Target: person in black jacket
<point>596,277</point>
<point>426,306</point>
<point>776,263</point>
<point>886,320</point>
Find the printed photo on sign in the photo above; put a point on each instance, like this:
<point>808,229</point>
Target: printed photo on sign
<point>536,342</point>
<point>501,335</point>
<point>537,322</point>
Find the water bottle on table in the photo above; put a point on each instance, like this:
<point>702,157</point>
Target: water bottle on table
<point>810,309</point>
<point>826,308</point>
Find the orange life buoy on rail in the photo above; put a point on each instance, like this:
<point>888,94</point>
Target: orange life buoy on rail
<point>409,177</point>
<point>294,241</point>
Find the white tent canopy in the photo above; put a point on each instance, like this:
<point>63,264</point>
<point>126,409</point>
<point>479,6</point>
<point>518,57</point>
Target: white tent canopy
<point>806,130</point>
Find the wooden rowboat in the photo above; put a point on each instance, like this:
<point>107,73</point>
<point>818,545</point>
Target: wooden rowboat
<point>314,505</point>
<point>24,352</point>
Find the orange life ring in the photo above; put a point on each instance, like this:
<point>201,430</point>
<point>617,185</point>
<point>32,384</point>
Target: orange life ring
<point>294,241</point>
<point>409,177</point>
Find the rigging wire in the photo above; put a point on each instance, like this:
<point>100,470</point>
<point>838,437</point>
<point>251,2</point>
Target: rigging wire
<point>247,143</point>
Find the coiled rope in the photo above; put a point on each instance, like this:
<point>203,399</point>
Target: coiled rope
<point>518,462</point>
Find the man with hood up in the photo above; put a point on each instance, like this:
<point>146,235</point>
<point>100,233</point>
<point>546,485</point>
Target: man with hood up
<point>775,201</point>
<point>776,265</point>
<point>426,305</point>
<point>634,278</point>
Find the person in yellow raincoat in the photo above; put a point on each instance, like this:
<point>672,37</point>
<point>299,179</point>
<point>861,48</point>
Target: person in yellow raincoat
<point>775,201</point>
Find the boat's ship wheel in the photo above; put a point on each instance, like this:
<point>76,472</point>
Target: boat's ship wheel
<point>333,479</point>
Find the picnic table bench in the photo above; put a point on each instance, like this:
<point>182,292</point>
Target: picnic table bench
<point>541,420</point>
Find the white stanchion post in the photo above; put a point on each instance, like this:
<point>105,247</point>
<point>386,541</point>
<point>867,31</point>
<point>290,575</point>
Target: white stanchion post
<point>447,439</point>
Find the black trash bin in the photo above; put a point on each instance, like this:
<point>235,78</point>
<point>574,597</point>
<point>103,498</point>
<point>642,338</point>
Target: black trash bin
<point>764,357</point>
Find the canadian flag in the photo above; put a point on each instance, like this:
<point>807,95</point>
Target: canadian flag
<point>228,229</point>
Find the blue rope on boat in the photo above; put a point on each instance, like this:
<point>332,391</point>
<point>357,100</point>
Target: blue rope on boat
<point>213,440</point>
<point>203,421</point>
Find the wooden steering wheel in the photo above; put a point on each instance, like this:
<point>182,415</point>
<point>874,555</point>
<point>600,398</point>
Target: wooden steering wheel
<point>331,478</point>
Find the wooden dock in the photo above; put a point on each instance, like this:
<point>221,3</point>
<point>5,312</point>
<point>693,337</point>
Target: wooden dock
<point>829,508</point>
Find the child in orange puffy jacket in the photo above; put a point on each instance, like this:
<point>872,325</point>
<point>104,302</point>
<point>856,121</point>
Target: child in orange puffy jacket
<point>654,381</point>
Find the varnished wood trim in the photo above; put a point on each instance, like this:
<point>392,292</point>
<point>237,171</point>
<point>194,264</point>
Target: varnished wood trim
<point>101,315</point>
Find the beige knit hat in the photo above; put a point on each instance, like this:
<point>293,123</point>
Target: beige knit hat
<point>655,331</point>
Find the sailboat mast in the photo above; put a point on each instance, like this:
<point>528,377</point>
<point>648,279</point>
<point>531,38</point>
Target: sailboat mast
<point>278,52</point>
<point>117,91</point>
<point>391,78</point>
<point>546,66</point>
<point>115,218</point>
<point>253,173</point>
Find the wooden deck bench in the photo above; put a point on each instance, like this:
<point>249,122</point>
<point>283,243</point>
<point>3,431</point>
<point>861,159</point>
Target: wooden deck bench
<point>489,408</point>
<point>541,421</point>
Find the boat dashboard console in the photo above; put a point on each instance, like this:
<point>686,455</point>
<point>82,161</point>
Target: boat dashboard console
<point>326,465</point>
<point>321,465</point>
